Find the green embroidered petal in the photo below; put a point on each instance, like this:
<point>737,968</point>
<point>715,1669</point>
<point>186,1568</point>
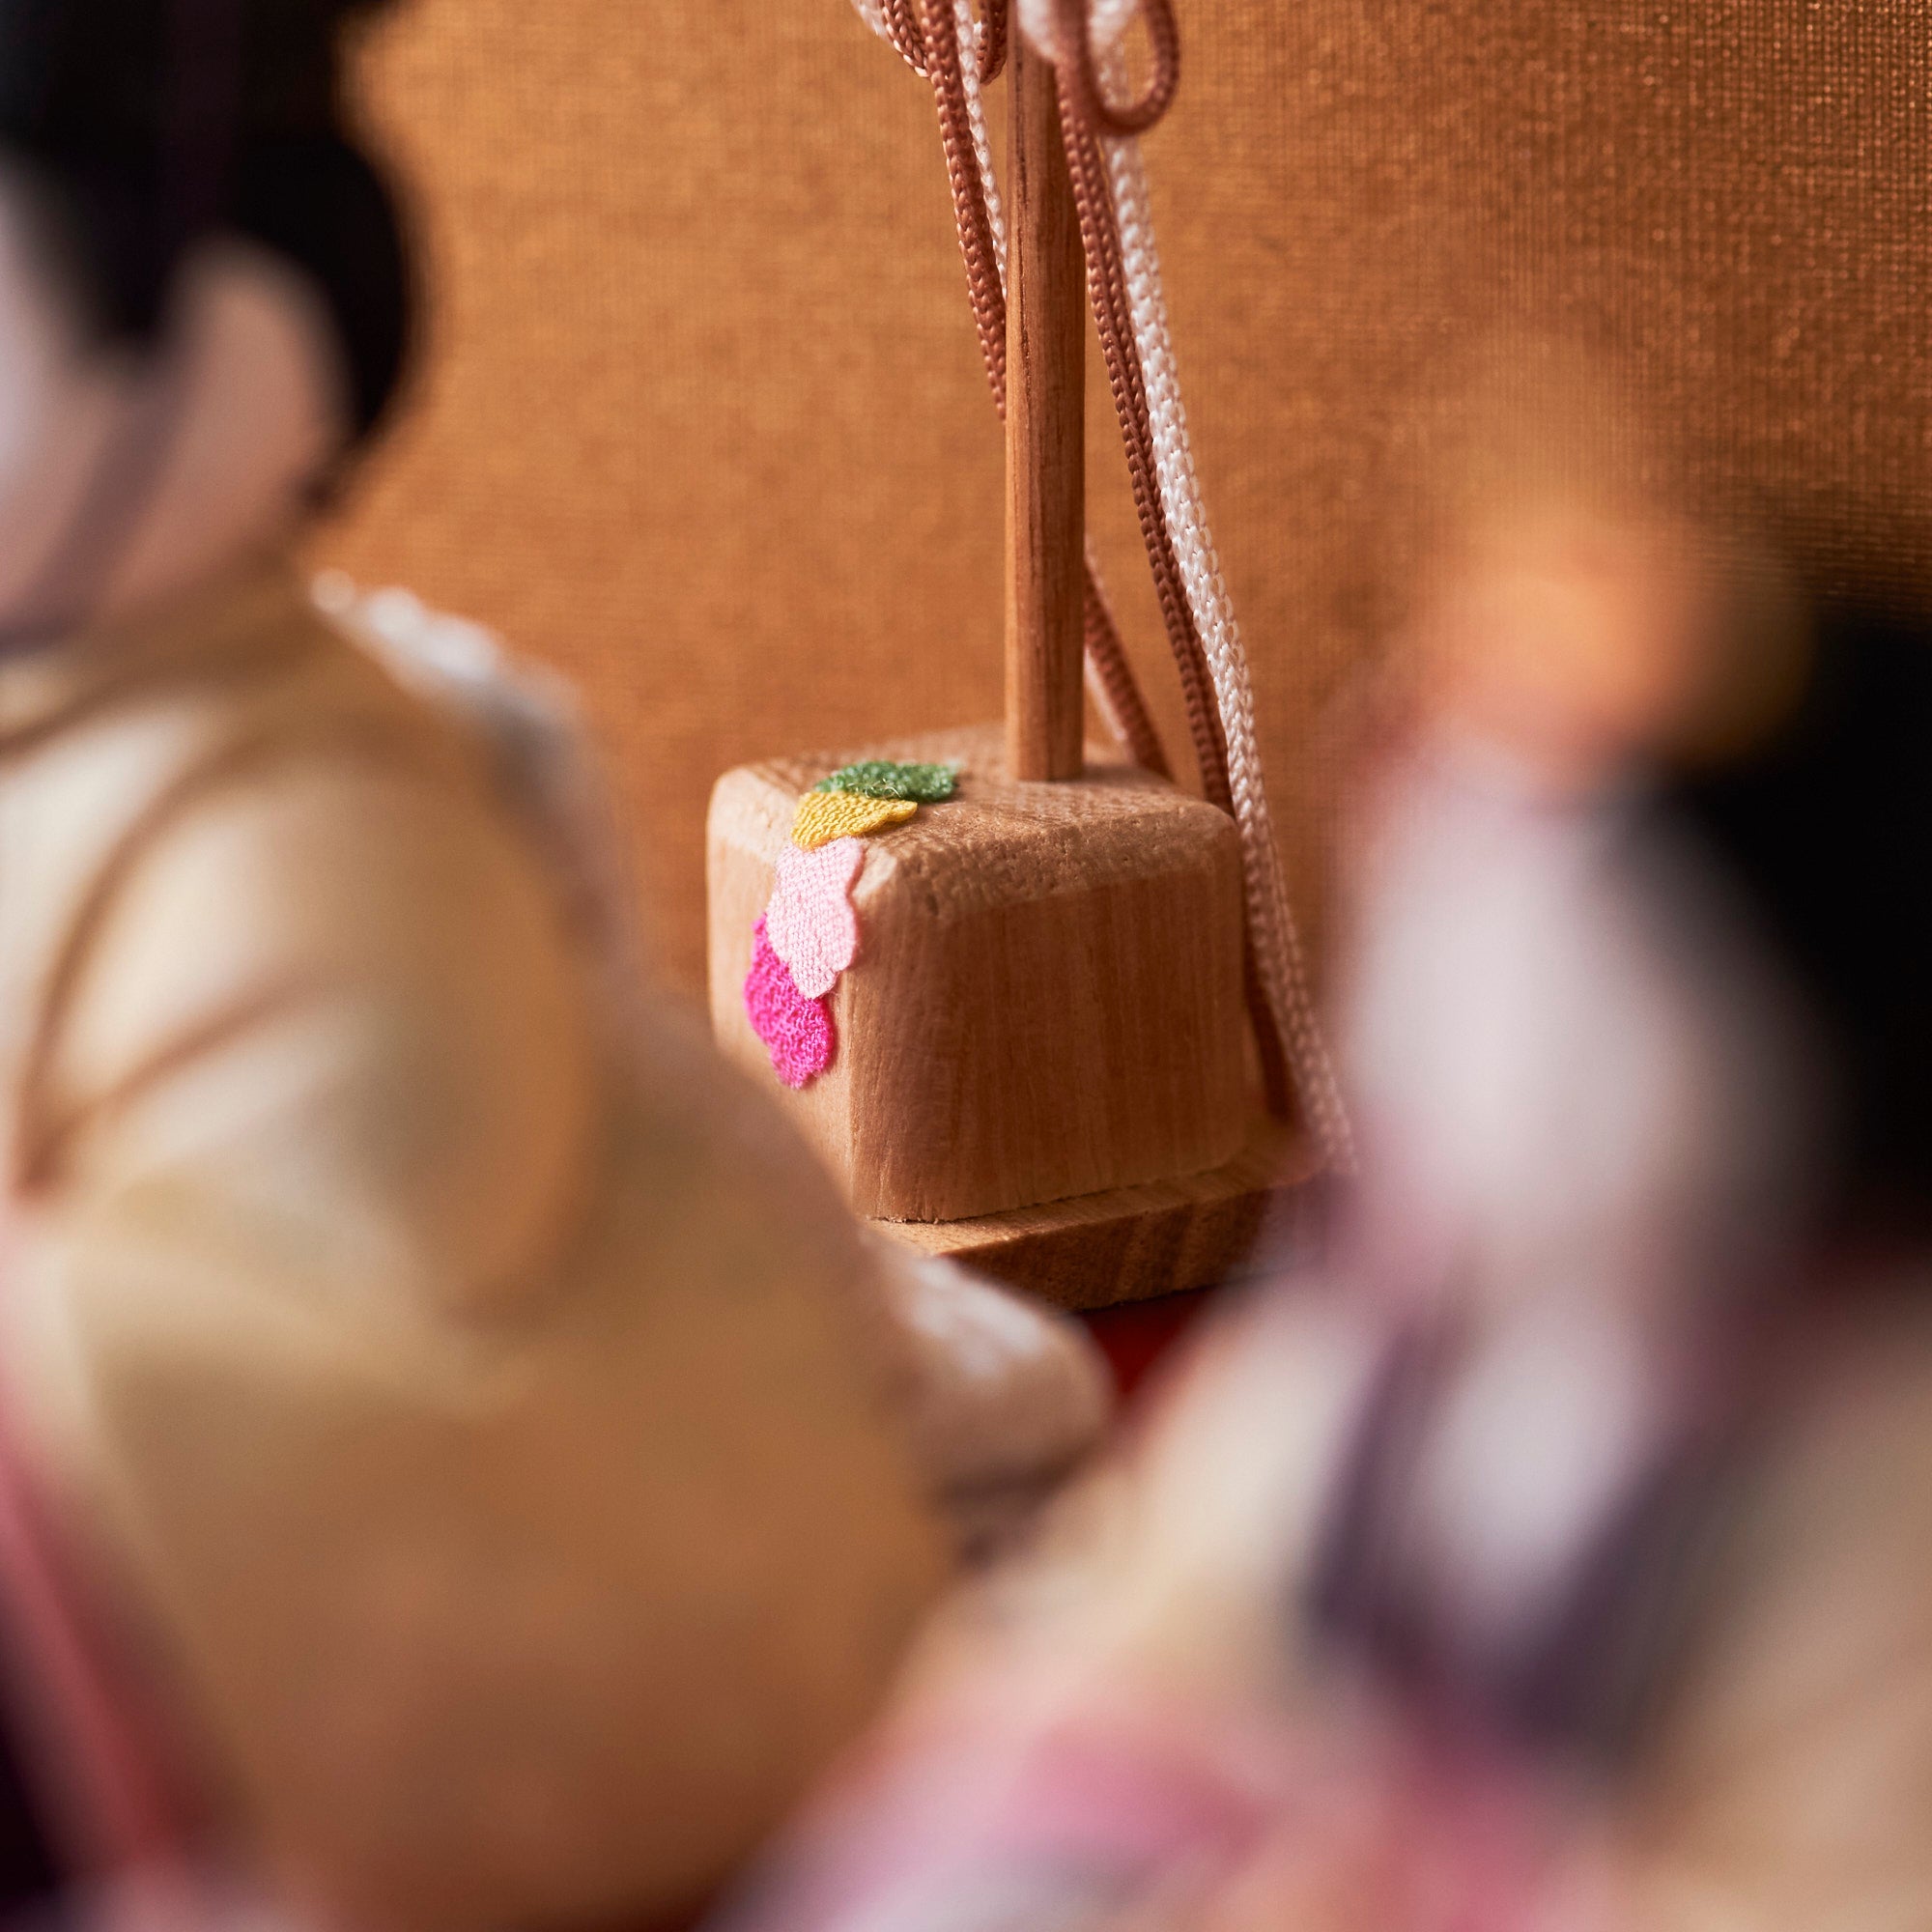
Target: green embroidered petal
<point>881,778</point>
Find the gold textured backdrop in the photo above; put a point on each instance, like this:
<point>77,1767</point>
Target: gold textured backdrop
<point>702,418</point>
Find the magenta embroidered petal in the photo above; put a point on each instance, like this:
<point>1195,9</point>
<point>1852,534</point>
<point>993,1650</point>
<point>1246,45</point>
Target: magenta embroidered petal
<point>809,921</point>
<point>797,1031</point>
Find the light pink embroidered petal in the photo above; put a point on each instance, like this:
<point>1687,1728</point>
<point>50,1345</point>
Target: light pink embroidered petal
<point>809,920</point>
<point>797,1031</point>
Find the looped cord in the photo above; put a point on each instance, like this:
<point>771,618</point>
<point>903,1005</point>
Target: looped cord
<point>1073,24</point>
<point>994,29</point>
<point>897,23</point>
<point>906,32</point>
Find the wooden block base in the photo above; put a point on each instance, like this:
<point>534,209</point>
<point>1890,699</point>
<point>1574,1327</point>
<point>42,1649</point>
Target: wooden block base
<point>1047,997</point>
<point>1131,1243</point>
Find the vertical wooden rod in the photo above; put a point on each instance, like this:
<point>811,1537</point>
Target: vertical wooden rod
<point>1046,479</point>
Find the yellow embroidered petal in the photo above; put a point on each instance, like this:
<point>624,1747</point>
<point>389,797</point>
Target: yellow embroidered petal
<point>826,815</point>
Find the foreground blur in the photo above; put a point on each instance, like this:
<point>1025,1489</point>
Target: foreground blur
<point>1551,1553</point>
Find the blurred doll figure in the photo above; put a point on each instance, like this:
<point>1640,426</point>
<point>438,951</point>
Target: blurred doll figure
<point>462,1461</point>
<point>1575,1068</point>
<point>1552,1563</point>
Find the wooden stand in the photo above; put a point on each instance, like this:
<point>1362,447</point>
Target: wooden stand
<point>1041,1065</point>
<point>1047,997</point>
<point>1046,451</point>
<point>1133,1243</point>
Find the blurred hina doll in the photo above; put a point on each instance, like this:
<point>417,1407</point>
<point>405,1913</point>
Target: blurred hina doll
<point>1553,1552</point>
<point>462,1465</point>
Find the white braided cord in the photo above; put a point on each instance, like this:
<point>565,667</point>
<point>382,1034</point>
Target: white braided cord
<point>1277,941</point>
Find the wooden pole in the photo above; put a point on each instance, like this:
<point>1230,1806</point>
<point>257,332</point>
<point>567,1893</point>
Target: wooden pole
<point>1046,483</point>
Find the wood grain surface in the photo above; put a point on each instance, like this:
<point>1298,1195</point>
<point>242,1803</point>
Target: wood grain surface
<point>1047,458</point>
<point>1134,1243</point>
<point>1047,995</point>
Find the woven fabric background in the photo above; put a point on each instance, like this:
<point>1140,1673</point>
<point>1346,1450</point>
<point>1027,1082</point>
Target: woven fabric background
<point>701,418</point>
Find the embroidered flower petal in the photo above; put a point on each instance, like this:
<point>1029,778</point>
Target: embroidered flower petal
<point>809,922</point>
<point>797,1031</point>
<point>826,815</point>
<point>882,778</point>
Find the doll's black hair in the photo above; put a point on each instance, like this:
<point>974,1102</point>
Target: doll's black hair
<point>1827,828</point>
<point>148,125</point>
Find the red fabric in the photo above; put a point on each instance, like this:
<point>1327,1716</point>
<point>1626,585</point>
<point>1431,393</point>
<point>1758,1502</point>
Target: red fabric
<point>110,1798</point>
<point>1137,1336</point>
<point>95,1754</point>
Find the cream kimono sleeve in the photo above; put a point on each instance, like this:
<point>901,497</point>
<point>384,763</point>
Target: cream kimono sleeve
<point>333,1004</point>
<point>471,1423</point>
